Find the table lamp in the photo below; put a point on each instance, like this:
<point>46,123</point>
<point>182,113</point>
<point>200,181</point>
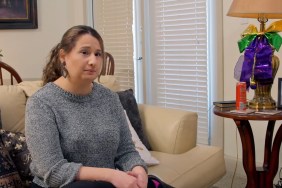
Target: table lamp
<point>258,66</point>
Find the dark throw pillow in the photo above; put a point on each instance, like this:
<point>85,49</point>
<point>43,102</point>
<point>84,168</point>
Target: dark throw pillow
<point>15,144</point>
<point>129,104</point>
<point>9,176</point>
<point>0,120</point>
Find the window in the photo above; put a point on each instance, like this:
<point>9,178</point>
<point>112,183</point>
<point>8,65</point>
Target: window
<point>179,47</point>
<point>113,20</point>
<point>179,58</point>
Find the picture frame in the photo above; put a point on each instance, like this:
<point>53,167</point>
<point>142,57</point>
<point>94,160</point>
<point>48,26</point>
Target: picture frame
<point>18,14</point>
<point>279,101</point>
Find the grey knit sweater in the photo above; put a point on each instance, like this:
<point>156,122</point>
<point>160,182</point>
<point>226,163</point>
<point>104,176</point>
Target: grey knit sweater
<point>65,131</point>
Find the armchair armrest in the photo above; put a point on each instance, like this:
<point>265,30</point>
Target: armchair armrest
<point>169,130</point>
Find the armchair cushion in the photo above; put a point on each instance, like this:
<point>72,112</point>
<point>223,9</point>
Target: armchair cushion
<point>201,166</point>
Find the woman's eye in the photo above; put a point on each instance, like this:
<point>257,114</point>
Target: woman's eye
<point>84,52</point>
<point>98,54</point>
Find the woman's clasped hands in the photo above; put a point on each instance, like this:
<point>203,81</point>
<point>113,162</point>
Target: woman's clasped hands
<point>137,178</point>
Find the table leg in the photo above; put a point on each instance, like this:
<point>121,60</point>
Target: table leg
<point>248,145</point>
<point>273,165</point>
<point>268,143</point>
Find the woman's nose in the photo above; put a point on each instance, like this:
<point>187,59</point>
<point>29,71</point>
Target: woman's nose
<point>93,60</point>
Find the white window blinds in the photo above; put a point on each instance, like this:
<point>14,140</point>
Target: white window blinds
<point>179,58</point>
<point>113,20</point>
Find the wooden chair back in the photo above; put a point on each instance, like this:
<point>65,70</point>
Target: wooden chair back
<point>108,67</point>
<point>13,73</point>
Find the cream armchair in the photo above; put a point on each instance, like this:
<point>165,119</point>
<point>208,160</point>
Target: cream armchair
<point>172,136</point>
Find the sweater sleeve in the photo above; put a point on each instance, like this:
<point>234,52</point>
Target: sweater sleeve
<point>42,135</point>
<point>127,156</point>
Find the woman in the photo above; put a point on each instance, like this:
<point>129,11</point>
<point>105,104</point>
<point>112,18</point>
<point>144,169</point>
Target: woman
<point>76,129</point>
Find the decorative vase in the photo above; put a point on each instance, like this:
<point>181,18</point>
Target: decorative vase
<point>262,97</point>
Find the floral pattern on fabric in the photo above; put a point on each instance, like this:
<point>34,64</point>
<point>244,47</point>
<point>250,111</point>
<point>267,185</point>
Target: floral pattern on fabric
<point>15,143</point>
<point>9,176</point>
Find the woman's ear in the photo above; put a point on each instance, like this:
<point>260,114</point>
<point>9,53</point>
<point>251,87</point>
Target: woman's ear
<point>62,55</point>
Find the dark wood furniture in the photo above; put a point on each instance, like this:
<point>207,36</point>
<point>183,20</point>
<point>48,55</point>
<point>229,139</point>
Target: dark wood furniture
<point>108,67</point>
<point>257,177</point>
<point>11,71</point>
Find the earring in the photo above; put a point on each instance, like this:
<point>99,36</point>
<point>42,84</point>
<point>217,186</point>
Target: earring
<point>64,70</point>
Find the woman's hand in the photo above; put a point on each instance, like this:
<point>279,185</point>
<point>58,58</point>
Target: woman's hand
<point>121,179</point>
<point>137,178</point>
<point>141,175</point>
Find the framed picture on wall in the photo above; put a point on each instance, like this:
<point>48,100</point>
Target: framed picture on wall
<point>279,102</point>
<point>18,14</point>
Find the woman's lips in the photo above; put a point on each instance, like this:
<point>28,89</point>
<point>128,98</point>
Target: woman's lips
<point>90,71</point>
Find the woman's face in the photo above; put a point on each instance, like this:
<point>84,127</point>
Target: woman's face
<point>84,61</point>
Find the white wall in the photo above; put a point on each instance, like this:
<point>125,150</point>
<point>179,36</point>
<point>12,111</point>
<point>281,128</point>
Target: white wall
<point>27,49</point>
<point>233,27</point>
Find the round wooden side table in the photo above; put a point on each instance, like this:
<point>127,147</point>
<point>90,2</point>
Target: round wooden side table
<point>257,177</point>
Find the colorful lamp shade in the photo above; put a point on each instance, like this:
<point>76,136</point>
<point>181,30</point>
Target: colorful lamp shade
<point>259,64</point>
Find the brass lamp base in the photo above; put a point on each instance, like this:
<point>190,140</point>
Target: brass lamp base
<point>262,99</point>
<point>266,105</point>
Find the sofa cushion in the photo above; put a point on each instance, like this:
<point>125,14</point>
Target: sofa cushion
<point>9,176</point>
<point>139,146</point>
<point>129,104</point>
<point>109,81</point>
<point>15,143</point>
<point>13,100</point>
<point>12,105</point>
<point>201,166</point>
<point>30,87</point>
